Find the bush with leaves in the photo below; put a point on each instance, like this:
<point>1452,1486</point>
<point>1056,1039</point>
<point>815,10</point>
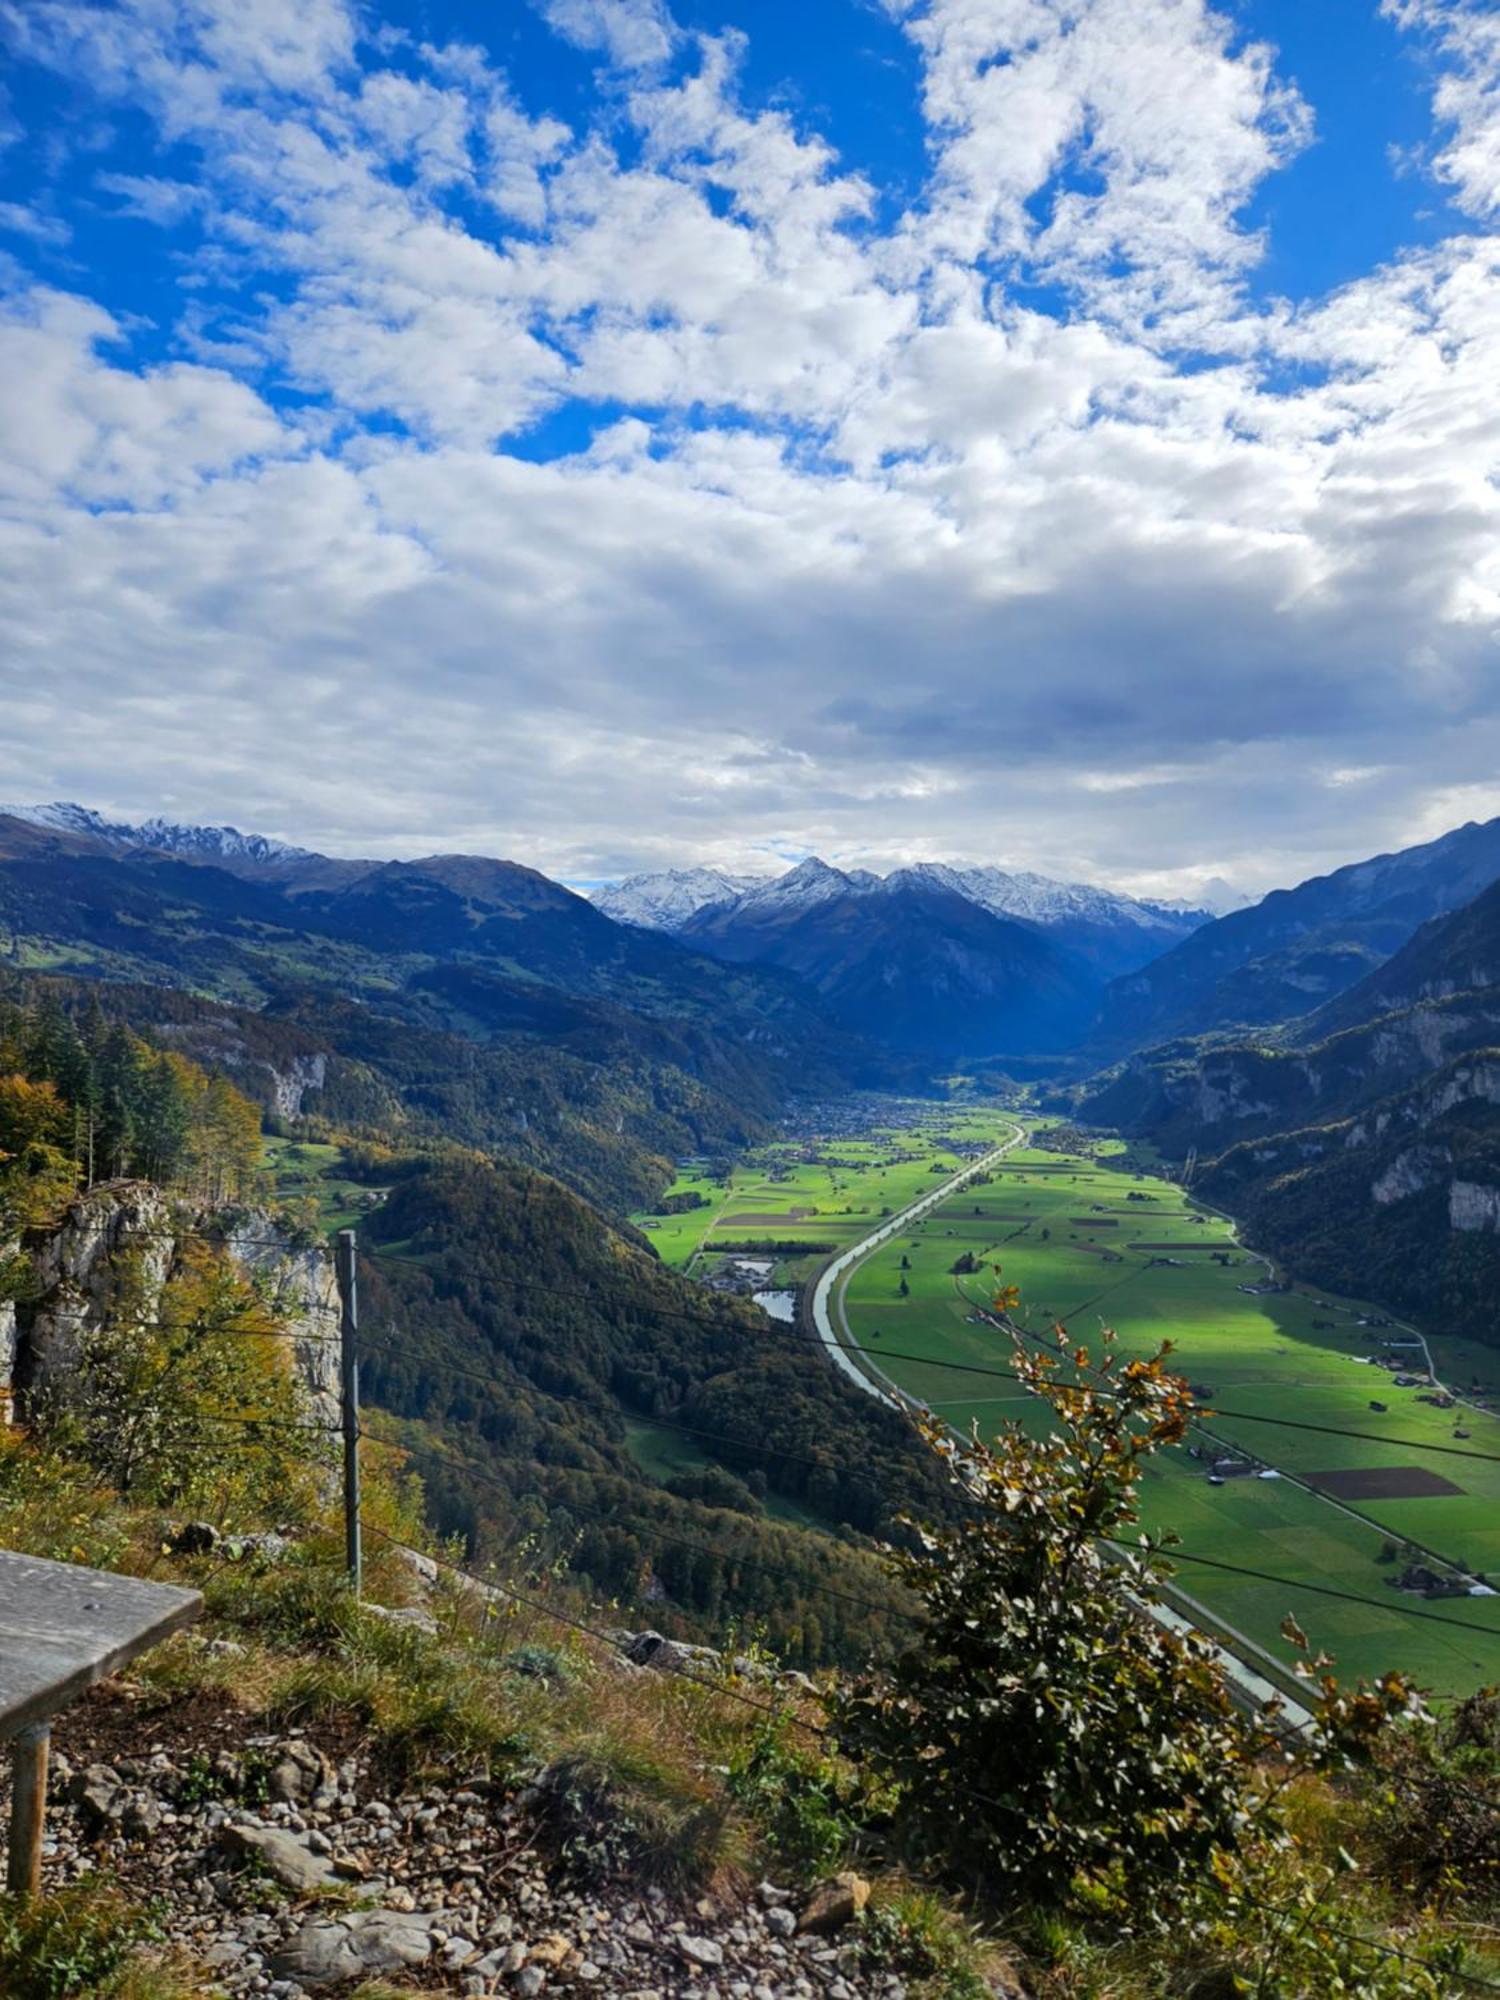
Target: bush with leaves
<point>1044,1730</point>
<point>78,1941</point>
<point>1435,1801</point>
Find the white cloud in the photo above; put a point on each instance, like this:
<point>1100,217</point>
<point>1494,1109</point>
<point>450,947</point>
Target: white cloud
<point>82,433</point>
<point>865,554</point>
<point>634,34</point>
<point>1139,124</point>
<point>1466,36</point>
<point>16,219</point>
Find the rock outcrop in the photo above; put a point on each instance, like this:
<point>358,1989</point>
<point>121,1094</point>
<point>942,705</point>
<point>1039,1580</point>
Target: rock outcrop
<point>115,1251</point>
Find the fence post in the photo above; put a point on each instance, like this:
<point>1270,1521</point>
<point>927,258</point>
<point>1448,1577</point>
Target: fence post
<point>349,1403</point>
<point>28,1806</point>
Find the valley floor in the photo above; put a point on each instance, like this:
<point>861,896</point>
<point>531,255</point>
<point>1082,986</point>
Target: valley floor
<point>1095,1241</point>
<point>1101,1239</point>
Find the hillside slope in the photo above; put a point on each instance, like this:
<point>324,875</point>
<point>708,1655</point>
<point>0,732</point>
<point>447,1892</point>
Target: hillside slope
<point>1299,948</point>
<point>914,965</point>
<point>1368,1156</point>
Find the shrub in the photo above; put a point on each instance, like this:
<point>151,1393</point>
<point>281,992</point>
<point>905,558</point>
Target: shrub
<point>78,1941</point>
<point>797,1797</point>
<point>1043,1727</point>
<point>1436,1805</point>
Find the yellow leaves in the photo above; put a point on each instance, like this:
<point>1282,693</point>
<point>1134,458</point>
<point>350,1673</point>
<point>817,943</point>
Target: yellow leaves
<point>30,1114</point>
<point>1006,1299</point>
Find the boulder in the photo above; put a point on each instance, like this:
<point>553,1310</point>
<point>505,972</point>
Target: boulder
<point>300,1771</point>
<point>364,1943</point>
<point>409,1615</point>
<point>193,1538</point>
<point>669,1656</point>
<point>833,1904</point>
<point>284,1855</point>
<point>99,1795</point>
<point>702,1951</point>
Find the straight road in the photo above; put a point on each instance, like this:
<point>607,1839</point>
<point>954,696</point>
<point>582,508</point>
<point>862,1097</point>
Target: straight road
<point>827,1299</point>
<point>833,1331</point>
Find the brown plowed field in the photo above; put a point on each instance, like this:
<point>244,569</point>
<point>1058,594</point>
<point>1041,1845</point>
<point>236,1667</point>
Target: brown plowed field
<point>1384,1482</point>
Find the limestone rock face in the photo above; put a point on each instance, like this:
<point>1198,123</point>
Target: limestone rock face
<point>1472,1205</point>
<point>128,1234</point>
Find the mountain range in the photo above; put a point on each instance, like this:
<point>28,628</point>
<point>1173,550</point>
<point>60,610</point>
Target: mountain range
<point>1113,931</point>
<point>747,987</point>
<point>1297,948</point>
<point>512,1012</point>
<point>945,961</point>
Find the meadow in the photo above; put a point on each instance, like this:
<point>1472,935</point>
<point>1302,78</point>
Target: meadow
<point>824,1191</point>
<point>308,1177</point>
<point>1096,1241</point>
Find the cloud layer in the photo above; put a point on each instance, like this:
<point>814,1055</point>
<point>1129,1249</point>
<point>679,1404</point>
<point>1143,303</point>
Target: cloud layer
<point>639,486</point>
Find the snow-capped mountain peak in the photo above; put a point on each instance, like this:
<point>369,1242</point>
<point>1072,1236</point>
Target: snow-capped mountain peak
<point>664,901</point>
<point>1115,930</point>
<point>1039,899</point>
<point>161,836</point>
<point>812,881</point>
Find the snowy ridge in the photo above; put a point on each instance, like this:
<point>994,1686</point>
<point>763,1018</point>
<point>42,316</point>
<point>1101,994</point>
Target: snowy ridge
<point>664,901</point>
<point>161,836</point>
<point>669,900</point>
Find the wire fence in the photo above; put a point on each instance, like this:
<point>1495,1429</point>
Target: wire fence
<point>650,1531</point>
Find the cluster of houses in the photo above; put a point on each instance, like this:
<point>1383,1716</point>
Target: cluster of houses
<point>1424,1581</point>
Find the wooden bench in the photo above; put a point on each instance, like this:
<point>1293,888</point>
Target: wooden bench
<point>62,1628</point>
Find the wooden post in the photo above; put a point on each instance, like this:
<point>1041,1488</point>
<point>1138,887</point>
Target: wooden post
<point>28,1808</point>
<point>349,1404</point>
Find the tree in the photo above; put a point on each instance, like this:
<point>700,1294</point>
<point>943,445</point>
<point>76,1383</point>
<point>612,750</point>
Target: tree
<point>31,1114</point>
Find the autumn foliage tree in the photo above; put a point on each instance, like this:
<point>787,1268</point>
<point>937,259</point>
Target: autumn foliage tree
<point>1045,1731</point>
<point>115,1106</point>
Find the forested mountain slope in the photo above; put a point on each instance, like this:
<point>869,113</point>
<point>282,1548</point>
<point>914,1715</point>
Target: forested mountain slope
<point>606,1121</point>
<point>917,966</point>
<point>1370,1155</point>
<point>1299,948</point>
<point>521,1333</point>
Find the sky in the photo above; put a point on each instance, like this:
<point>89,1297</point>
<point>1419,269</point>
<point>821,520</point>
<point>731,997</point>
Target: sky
<point>1060,433</point>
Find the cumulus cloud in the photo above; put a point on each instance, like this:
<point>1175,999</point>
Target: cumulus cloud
<point>635,34</point>
<point>1465,37</point>
<point>845,542</point>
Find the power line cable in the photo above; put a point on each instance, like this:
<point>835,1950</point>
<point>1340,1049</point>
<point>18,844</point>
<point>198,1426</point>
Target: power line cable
<point>775,1329</point>
<point>1172,1554</point>
<point>1329,1590</point>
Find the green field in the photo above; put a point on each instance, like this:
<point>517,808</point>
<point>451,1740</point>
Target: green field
<point>828,1189</point>
<point>1065,1231</point>
<point>309,1179</point>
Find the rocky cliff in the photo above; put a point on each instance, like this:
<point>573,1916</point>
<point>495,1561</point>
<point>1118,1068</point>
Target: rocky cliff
<point>116,1249</point>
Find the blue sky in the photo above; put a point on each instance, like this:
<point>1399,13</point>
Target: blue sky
<point>1056,432</point>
